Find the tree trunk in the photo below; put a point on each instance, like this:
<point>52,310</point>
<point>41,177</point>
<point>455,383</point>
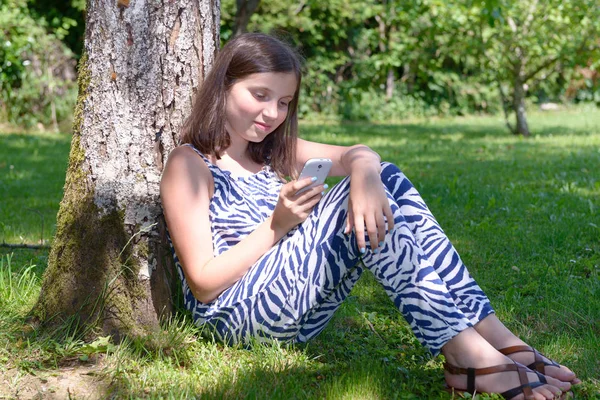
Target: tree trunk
<point>519,108</point>
<point>109,266</point>
<point>245,9</point>
<point>389,84</point>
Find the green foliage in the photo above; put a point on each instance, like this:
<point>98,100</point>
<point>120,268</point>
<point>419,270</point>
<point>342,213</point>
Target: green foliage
<point>383,59</point>
<point>36,69</point>
<point>530,40</point>
<point>65,19</point>
<point>371,105</point>
<point>17,288</point>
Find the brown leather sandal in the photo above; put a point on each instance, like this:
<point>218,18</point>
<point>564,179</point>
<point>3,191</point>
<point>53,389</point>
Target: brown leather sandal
<point>538,365</point>
<point>525,388</point>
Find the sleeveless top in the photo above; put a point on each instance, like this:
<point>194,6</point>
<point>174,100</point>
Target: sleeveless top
<point>239,204</point>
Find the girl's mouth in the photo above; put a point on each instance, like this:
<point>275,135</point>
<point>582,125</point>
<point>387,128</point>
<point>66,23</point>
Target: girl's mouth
<point>261,126</point>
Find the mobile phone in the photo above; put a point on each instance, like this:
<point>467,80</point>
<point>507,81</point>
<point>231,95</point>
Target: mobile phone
<point>318,167</point>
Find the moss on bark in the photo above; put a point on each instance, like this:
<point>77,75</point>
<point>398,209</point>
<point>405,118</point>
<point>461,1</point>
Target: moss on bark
<point>92,278</point>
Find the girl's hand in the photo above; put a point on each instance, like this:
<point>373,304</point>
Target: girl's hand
<point>292,209</point>
<point>368,207</point>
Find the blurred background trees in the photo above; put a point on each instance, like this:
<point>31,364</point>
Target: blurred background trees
<point>40,42</point>
<point>375,60</point>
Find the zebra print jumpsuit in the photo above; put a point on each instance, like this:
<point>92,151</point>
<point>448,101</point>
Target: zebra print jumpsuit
<point>292,291</point>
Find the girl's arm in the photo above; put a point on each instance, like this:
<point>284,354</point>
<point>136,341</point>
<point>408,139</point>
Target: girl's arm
<point>345,158</point>
<point>186,189</point>
<point>368,206</point>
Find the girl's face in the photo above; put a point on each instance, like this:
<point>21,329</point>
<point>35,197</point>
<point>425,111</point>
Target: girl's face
<point>258,104</point>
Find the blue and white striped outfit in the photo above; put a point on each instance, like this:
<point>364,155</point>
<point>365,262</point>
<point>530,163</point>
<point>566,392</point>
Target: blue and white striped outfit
<point>292,291</point>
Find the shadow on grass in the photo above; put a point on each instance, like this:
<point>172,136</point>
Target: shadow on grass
<point>32,174</point>
<point>361,365</point>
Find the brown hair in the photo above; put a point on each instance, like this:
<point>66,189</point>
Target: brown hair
<point>247,54</point>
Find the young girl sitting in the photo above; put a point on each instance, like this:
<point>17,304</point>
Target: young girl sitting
<point>258,260</point>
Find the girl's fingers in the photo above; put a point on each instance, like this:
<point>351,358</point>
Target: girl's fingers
<point>316,191</point>
<point>311,202</point>
<point>389,217</point>
<point>359,228</point>
<point>380,229</point>
<point>372,231</point>
<point>294,186</point>
<point>349,221</point>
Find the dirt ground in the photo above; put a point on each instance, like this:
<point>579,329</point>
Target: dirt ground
<point>75,381</point>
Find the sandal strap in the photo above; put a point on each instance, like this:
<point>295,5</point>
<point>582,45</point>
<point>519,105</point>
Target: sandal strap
<point>525,387</point>
<point>539,364</point>
<point>453,369</point>
<point>516,349</point>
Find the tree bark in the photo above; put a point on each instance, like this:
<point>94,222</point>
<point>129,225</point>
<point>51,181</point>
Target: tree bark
<point>505,107</point>
<point>245,9</point>
<point>109,266</point>
<point>519,108</point>
<point>389,84</point>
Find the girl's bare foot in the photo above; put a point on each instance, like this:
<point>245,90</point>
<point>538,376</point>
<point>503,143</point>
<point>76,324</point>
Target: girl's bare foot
<point>499,336</point>
<point>470,350</point>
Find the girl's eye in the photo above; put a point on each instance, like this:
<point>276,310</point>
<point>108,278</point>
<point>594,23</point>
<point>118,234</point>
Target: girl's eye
<point>259,95</point>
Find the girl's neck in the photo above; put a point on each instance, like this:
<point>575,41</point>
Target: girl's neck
<point>238,149</point>
<point>236,160</point>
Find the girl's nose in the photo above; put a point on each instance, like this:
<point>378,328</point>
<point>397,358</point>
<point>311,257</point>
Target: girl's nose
<point>270,111</point>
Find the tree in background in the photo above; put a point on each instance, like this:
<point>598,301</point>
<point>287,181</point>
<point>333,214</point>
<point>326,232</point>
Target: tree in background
<point>66,19</point>
<point>245,9</point>
<point>519,44</point>
<point>37,70</point>
<point>388,59</point>
<point>140,67</point>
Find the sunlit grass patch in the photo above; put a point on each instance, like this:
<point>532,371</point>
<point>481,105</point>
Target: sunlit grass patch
<point>18,286</point>
<point>32,174</point>
<point>523,213</point>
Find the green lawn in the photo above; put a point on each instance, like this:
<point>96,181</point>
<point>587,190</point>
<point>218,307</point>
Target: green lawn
<point>523,213</point>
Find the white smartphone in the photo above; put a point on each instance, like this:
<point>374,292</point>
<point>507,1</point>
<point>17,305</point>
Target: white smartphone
<point>318,167</point>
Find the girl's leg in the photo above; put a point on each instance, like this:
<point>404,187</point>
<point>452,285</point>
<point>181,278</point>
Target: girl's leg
<point>436,246</point>
<point>447,263</point>
<point>292,291</point>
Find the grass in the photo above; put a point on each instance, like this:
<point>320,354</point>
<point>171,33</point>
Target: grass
<point>32,174</point>
<point>523,213</point>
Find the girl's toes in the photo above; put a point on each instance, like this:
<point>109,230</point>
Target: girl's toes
<point>564,386</point>
<point>553,393</point>
<point>538,395</point>
<point>544,393</point>
<point>565,374</point>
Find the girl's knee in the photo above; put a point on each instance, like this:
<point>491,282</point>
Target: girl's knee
<point>390,171</point>
<point>393,178</point>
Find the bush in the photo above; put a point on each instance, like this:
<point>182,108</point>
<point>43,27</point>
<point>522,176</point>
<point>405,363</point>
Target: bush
<point>37,71</point>
<point>371,105</point>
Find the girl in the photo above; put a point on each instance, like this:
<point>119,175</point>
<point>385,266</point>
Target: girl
<point>258,260</point>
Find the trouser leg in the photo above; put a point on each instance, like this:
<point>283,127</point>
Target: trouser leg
<point>436,246</point>
<point>402,268</point>
<point>293,290</point>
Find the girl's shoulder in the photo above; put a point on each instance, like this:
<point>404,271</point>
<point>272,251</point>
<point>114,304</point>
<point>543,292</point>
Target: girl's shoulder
<point>188,150</point>
<point>186,161</point>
